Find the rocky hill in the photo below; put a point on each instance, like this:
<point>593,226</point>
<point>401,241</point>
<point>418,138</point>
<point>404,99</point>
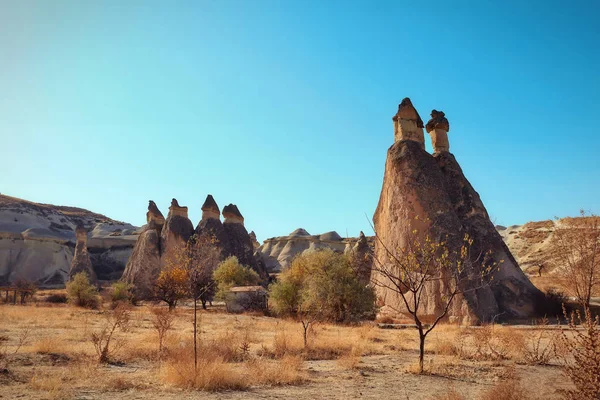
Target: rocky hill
<point>37,242</point>
<point>428,195</point>
<point>278,252</point>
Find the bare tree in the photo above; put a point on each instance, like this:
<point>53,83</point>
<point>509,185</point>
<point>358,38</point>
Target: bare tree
<point>200,260</point>
<point>163,322</point>
<point>104,340</point>
<point>425,265</point>
<point>581,354</point>
<point>576,252</point>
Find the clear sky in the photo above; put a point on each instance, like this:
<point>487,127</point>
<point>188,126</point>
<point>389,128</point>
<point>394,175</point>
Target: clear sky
<point>284,107</point>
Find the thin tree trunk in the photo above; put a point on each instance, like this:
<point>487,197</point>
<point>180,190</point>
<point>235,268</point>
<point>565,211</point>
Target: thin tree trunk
<point>421,349</point>
<point>305,333</point>
<point>195,343</point>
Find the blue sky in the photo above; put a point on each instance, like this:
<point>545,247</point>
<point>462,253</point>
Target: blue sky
<point>284,107</point>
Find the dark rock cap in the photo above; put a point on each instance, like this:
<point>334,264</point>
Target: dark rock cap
<point>211,205</point>
<point>406,110</point>
<point>438,121</point>
<point>232,211</point>
<point>174,203</point>
<point>152,208</point>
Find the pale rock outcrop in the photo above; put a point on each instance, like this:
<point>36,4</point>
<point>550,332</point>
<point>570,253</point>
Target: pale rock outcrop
<point>176,232</point>
<point>81,259</point>
<point>144,264</point>
<point>438,128</point>
<point>255,243</point>
<point>37,242</point>
<point>430,194</point>
<point>362,257</point>
<point>277,253</point>
<point>408,125</point>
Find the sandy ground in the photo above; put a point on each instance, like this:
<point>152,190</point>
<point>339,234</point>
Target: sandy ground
<point>57,360</point>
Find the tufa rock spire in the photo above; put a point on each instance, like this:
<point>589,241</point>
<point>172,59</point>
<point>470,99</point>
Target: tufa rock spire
<point>408,125</point>
<point>232,215</point>
<point>438,128</point>
<point>81,258</point>
<point>210,209</point>
<point>177,210</point>
<point>430,195</point>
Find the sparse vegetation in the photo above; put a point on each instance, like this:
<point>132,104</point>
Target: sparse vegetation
<point>581,354</point>
<point>412,270</point>
<point>104,340</point>
<point>322,286</point>
<point>231,273</point>
<point>81,292</point>
<point>121,292</point>
<point>576,253</point>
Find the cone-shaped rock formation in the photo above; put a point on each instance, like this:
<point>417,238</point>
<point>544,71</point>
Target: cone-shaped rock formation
<point>81,259</point>
<point>143,266</point>
<point>431,195</point>
<point>176,232</point>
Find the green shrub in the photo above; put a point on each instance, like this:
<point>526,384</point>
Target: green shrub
<point>81,292</point>
<point>323,283</point>
<point>231,273</point>
<point>121,292</point>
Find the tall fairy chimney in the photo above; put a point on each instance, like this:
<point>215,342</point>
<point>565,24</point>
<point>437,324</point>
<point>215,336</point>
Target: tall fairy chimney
<point>176,209</point>
<point>438,128</point>
<point>232,215</point>
<point>210,209</point>
<point>408,125</point>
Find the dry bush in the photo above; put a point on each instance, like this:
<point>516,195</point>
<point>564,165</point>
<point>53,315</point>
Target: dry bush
<point>282,372</point>
<point>445,346</point>
<point>488,343</point>
<point>162,321</point>
<point>48,345</point>
<point>53,385</point>
<point>319,347</point>
<point>451,394</point>
<point>118,383</point>
<point>5,353</point>
<point>538,345</point>
<point>509,389</point>
<point>351,359</point>
<point>104,341</point>
<point>581,355</point>
<point>211,375</point>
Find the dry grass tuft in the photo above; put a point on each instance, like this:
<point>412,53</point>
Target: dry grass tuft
<point>49,345</point>
<point>507,390</point>
<point>352,359</point>
<point>286,371</point>
<point>451,394</point>
<point>53,385</point>
<point>211,375</point>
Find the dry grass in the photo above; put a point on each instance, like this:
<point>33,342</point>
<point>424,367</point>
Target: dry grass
<point>507,390</point>
<point>238,352</point>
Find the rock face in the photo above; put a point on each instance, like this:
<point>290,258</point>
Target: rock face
<point>81,259</point>
<point>160,237</point>
<point>362,254</point>
<point>277,253</point>
<point>37,242</point>
<point>176,231</point>
<point>143,266</point>
<point>238,242</point>
<point>431,195</point>
<point>438,128</point>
